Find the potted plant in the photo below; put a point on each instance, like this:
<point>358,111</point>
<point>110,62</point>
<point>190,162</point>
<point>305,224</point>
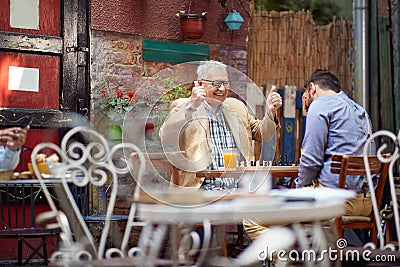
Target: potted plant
<point>112,101</point>
<point>192,25</point>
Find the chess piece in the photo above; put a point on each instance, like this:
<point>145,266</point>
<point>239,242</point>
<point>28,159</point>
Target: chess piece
<point>286,162</point>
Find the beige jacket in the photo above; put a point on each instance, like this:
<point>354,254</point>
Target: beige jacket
<point>188,131</point>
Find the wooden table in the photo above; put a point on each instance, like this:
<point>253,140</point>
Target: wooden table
<point>275,171</point>
<point>264,171</point>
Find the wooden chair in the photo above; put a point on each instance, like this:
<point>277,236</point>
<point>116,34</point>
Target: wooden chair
<point>158,166</point>
<point>346,165</point>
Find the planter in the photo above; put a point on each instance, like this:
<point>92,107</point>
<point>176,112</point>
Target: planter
<point>115,133</point>
<point>193,25</point>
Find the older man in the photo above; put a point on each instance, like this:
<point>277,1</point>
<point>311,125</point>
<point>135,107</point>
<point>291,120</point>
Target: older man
<point>209,121</point>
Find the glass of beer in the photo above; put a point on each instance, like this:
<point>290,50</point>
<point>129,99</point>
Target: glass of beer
<point>230,158</point>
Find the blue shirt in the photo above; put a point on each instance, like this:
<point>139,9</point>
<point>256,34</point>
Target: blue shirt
<point>9,159</point>
<point>332,128</point>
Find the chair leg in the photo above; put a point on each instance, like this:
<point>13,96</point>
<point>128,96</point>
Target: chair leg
<point>373,237</point>
<point>240,237</point>
<point>44,240</point>
<point>20,250</point>
<point>239,241</point>
<point>338,226</point>
<point>35,251</point>
<point>224,250</point>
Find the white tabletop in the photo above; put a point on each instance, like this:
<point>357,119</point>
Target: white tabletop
<point>269,210</point>
<point>325,204</point>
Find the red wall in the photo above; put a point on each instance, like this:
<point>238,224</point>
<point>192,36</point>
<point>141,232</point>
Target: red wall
<point>157,19</point>
<point>49,22</point>
<point>47,97</point>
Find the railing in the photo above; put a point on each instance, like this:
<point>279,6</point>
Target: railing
<point>20,202</point>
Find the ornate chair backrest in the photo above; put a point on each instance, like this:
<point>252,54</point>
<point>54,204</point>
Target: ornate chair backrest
<point>86,159</point>
<point>392,160</point>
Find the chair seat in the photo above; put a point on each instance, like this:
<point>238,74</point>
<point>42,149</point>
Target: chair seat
<point>24,234</point>
<point>28,232</point>
<point>353,219</point>
<point>102,218</point>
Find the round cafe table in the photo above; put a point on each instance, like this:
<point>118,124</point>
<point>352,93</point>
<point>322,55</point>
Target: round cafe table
<point>273,210</point>
<point>291,209</point>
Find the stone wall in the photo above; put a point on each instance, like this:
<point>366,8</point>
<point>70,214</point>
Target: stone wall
<point>116,61</point>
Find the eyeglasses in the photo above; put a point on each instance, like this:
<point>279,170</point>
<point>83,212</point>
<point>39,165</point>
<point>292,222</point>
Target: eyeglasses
<point>217,83</point>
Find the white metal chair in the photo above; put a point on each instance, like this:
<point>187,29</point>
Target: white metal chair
<point>183,241</point>
<point>91,162</point>
<point>393,160</point>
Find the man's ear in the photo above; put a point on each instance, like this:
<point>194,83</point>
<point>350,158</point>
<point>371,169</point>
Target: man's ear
<point>313,89</point>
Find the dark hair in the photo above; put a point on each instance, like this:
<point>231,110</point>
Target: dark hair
<point>326,80</point>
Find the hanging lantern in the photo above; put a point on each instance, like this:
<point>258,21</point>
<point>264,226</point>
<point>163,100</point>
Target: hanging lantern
<point>234,20</point>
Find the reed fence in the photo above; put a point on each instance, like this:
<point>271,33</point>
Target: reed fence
<point>286,47</point>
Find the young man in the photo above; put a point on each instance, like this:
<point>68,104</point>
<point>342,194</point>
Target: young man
<point>209,121</point>
<point>11,139</point>
<point>335,125</point>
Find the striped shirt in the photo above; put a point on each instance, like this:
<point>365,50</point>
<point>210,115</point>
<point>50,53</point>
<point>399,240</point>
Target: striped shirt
<point>220,135</point>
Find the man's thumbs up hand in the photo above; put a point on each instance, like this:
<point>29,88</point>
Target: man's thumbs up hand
<point>274,99</point>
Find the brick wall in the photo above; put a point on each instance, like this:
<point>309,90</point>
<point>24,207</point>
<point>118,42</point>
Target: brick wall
<point>116,61</point>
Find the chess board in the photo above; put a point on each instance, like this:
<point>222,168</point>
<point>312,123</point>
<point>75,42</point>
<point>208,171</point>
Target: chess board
<point>275,171</point>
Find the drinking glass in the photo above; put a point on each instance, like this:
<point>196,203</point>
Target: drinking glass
<point>230,158</point>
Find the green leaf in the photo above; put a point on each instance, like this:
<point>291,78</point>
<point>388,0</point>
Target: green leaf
<point>128,109</point>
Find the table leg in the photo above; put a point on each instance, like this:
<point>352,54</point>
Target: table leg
<point>313,243</point>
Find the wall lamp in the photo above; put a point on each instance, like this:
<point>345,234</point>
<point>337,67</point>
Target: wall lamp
<point>234,20</point>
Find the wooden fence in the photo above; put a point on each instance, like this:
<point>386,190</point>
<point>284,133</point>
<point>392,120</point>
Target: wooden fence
<point>284,49</point>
